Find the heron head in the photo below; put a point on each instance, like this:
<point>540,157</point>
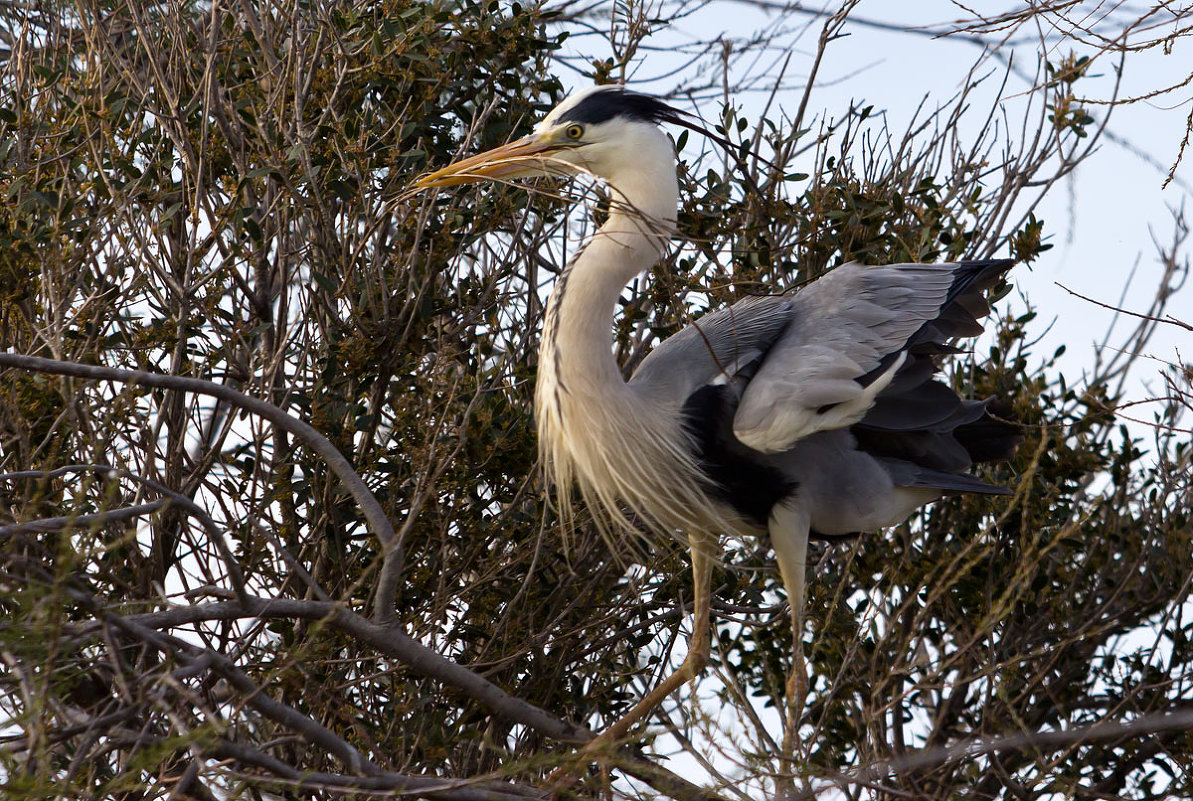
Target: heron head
<point>604,130</point>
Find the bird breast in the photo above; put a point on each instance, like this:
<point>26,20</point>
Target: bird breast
<point>631,458</point>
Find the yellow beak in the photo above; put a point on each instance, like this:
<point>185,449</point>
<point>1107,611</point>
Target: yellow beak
<point>521,158</point>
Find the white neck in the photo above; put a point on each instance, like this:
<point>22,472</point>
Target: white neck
<point>577,339</point>
<point>622,450</point>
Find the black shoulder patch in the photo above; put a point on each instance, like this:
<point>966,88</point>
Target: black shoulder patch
<point>738,476</point>
<point>604,105</point>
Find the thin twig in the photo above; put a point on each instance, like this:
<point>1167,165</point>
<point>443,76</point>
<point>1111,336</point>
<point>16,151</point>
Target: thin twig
<point>374,515</point>
<point>83,521</point>
<point>1170,320</point>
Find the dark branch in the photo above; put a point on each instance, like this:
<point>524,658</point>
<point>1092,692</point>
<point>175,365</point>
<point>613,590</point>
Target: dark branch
<point>83,521</point>
<point>374,515</point>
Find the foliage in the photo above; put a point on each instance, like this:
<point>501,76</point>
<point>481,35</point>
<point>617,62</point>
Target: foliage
<point>217,193</point>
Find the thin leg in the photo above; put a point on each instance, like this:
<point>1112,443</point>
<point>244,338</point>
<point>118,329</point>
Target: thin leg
<point>789,529</point>
<point>703,559</point>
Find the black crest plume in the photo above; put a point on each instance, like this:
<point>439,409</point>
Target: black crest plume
<point>616,101</point>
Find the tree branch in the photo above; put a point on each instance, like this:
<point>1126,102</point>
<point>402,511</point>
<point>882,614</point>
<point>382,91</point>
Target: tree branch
<point>375,516</point>
<point>426,662</point>
<point>83,521</point>
<point>387,640</point>
<point>1169,319</point>
<point>1105,731</point>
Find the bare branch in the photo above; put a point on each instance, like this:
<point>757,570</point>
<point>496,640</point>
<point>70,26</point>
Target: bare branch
<point>1168,319</point>
<point>83,521</point>
<point>378,521</point>
<point>1033,742</point>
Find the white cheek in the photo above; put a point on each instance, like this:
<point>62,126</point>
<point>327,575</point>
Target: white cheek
<point>593,157</point>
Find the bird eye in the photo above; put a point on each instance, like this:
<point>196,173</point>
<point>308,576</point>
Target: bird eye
<point>574,131</point>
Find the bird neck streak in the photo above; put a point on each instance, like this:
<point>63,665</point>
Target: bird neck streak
<point>578,340</point>
<point>643,198</point>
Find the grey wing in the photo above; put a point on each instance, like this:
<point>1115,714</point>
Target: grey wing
<point>871,343</point>
<point>715,348</point>
<point>849,340</point>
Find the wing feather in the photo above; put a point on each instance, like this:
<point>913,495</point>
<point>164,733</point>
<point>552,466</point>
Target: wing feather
<point>844,326</point>
<point>855,346</point>
<point>719,347</point>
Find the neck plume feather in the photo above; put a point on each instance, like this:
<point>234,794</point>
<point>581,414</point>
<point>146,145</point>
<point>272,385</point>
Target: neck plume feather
<point>628,453</point>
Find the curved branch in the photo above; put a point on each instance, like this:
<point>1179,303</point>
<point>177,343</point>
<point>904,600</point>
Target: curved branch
<point>82,521</point>
<point>387,783</point>
<point>423,660</point>
<point>196,658</point>
<point>385,639</point>
<point>375,516</point>
<point>1103,732</point>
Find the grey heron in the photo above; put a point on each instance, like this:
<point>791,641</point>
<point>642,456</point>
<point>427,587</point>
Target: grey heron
<point>794,415</point>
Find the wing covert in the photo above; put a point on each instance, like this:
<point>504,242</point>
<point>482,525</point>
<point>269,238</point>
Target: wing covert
<point>715,348</point>
<point>850,335</point>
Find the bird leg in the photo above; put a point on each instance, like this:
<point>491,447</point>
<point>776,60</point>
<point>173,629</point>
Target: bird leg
<point>703,558</point>
<point>789,530</point>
